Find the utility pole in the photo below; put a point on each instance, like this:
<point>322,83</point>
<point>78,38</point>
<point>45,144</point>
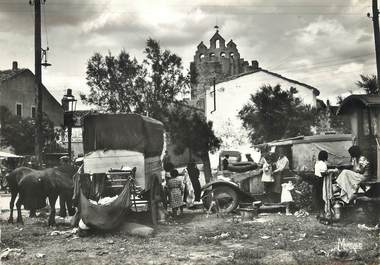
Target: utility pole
<point>375,19</point>
<point>38,78</point>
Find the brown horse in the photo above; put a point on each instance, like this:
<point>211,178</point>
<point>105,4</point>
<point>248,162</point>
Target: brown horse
<point>13,179</point>
<point>34,186</point>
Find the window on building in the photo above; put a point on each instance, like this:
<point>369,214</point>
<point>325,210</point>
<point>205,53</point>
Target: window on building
<point>201,57</point>
<point>212,55</point>
<point>232,55</point>
<point>217,44</point>
<point>223,54</point>
<point>19,109</point>
<point>33,112</point>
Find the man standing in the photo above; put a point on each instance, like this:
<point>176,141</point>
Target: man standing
<point>166,162</point>
<point>225,162</point>
<point>193,172</point>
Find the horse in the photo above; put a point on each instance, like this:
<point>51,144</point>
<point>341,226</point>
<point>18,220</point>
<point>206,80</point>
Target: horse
<point>13,178</point>
<point>34,186</point>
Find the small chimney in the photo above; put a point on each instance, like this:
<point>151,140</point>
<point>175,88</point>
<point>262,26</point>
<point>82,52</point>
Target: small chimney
<point>14,66</point>
<point>255,65</point>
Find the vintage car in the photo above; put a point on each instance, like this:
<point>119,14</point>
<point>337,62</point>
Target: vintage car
<point>234,186</point>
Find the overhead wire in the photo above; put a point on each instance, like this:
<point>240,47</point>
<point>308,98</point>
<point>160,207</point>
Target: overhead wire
<point>45,27</point>
<point>322,64</point>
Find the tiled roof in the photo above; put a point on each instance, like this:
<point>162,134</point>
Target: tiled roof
<point>8,74</point>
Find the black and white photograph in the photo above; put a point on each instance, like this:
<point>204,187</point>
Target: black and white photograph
<point>190,132</point>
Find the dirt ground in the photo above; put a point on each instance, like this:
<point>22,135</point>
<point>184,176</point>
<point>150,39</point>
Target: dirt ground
<point>195,238</point>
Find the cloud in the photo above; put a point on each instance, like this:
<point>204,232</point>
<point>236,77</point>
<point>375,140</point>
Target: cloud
<point>326,44</point>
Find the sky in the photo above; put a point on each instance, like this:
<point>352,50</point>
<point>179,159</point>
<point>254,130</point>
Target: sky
<point>325,43</point>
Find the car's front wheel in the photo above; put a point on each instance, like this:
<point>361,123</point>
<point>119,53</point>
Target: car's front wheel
<point>221,198</point>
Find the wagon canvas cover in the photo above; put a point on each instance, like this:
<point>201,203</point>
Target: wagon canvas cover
<point>123,131</point>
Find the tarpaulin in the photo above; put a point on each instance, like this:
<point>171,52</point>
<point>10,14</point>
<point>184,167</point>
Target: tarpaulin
<point>306,154</point>
<point>105,217</point>
<point>123,131</point>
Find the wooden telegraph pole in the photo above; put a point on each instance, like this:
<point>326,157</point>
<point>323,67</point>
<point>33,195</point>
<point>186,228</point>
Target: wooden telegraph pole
<point>38,78</point>
<point>375,19</point>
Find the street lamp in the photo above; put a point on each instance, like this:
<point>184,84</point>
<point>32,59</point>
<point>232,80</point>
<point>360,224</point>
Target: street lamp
<point>69,104</point>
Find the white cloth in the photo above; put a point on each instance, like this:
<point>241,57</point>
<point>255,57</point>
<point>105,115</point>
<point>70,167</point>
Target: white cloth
<point>320,167</point>
<point>286,196</point>
<point>327,193</point>
<point>267,173</point>
<point>190,196</point>
<point>282,163</point>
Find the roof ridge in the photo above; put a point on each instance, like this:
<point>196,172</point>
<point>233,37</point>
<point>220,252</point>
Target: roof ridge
<point>291,80</point>
<point>11,73</point>
<point>271,73</point>
<point>14,73</point>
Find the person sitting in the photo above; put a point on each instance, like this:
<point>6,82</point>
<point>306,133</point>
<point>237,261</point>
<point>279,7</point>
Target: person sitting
<point>349,180</point>
<point>225,162</point>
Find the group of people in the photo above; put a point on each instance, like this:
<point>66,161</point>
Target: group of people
<point>348,181</point>
<point>182,189</point>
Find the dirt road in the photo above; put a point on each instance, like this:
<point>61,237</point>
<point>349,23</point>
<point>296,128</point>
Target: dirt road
<point>196,239</point>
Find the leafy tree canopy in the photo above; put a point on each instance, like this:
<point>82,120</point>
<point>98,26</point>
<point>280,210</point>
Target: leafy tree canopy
<point>122,84</point>
<point>273,113</point>
<point>20,132</point>
<point>188,128</point>
<point>369,84</point>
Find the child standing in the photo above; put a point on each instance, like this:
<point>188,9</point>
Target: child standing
<point>286,196</point>
<point>176,190</point>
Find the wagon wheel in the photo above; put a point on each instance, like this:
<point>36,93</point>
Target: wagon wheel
<point>156,201</point>
<point>222,199</point>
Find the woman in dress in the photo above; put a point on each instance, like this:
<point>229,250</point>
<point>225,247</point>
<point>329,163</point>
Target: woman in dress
<point>349,180</point>
<point>175,189</point>
<point>266,164</point>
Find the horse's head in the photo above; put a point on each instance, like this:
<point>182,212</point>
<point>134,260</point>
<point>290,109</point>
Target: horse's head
<point>33,190</point>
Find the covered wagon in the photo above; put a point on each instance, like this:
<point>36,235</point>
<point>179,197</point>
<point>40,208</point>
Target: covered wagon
<point>121,161</point>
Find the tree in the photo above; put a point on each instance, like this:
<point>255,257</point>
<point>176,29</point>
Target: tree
<point>273,114</point>
<point>232,135</point>
<point>369,84</point>
<point>20,132</point>
<point>327,120</point>
<point>165,79</point>
<point>188,128</point>
<point>115,82</point>
<point>121,84</point>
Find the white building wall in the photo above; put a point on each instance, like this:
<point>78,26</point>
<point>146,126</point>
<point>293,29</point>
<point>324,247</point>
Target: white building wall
<point>232,95</point>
